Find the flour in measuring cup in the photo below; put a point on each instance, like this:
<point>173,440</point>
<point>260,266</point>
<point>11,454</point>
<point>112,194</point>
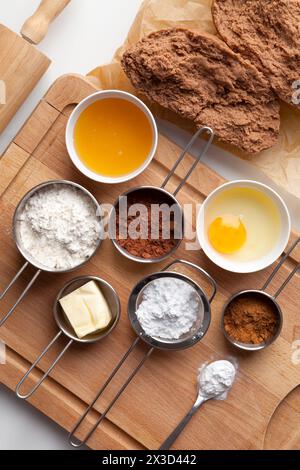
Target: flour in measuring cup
<point>59,226</point>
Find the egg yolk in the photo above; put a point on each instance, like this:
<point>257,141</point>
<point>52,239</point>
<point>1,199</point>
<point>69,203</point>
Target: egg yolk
<point>227,234</point>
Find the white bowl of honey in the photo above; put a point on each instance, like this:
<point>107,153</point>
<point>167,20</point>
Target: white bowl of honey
<point>111,136</point>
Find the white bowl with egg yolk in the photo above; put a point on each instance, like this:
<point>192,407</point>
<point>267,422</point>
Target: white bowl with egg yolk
<point>263,216</point>
<point>135,133</point>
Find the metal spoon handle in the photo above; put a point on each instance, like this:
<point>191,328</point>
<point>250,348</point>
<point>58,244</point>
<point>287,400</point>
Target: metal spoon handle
<point>173,436</point>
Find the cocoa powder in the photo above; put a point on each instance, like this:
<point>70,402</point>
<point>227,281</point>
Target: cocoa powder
<point>146,248</point>
<point>250,319</point>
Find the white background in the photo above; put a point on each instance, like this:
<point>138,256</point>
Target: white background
<point>84,36</point>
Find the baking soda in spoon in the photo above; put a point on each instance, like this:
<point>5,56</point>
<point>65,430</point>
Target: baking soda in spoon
<point>216,379</point>
<point>214,382</point>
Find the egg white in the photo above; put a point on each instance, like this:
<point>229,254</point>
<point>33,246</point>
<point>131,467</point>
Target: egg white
<point>259,214</point>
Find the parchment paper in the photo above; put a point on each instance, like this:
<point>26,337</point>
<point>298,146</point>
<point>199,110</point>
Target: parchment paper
<point>281,162</point>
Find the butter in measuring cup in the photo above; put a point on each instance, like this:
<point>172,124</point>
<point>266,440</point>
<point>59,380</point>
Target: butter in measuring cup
<point>86,309</point>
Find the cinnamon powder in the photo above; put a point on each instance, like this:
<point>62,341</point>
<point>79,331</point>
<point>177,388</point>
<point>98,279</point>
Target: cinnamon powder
<point>251,319</point>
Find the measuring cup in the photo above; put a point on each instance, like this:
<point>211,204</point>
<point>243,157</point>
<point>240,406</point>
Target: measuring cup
<point>160,193</point>
<point>263,295</point>
<point>189,339</point>
<point>30,260</point>
<point>65,328</point>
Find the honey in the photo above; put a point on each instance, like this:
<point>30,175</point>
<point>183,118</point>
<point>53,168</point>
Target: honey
<point>113,137</point>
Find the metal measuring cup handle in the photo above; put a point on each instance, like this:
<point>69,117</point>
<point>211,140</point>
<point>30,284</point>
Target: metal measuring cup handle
<point>278,267</point>
<point>190,144</point>
<point>183,423</point>
<point>75,442</point>
<point>205,274</point>
<point>36,362</point>
<point>25,291</point>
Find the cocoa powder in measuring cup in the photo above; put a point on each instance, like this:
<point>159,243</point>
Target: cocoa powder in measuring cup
<point>154,226</point>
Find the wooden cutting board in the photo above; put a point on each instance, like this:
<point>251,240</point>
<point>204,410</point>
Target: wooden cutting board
<point>147,412</point>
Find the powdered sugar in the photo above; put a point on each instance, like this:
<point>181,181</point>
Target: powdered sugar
<point>216,379</point>
<point>169,308</point>
<point>59,226</point>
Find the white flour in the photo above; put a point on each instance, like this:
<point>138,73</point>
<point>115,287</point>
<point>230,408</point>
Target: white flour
<point>216,379</point>
<point>59,227</point>
<point>169,308</point>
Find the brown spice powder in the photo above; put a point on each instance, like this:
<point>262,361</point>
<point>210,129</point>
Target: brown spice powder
<point>251,319</point>
<point>145,248</point>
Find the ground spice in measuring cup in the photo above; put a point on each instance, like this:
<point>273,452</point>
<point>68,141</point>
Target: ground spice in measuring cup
<point>158,240</point>
<point>251,320</point>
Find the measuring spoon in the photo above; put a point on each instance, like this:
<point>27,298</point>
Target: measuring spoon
<point>201,398</point>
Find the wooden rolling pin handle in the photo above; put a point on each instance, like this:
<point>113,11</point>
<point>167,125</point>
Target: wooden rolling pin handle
<point>36,27</point>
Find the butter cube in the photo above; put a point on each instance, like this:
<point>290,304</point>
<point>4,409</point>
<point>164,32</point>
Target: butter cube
<point>86,309</point>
